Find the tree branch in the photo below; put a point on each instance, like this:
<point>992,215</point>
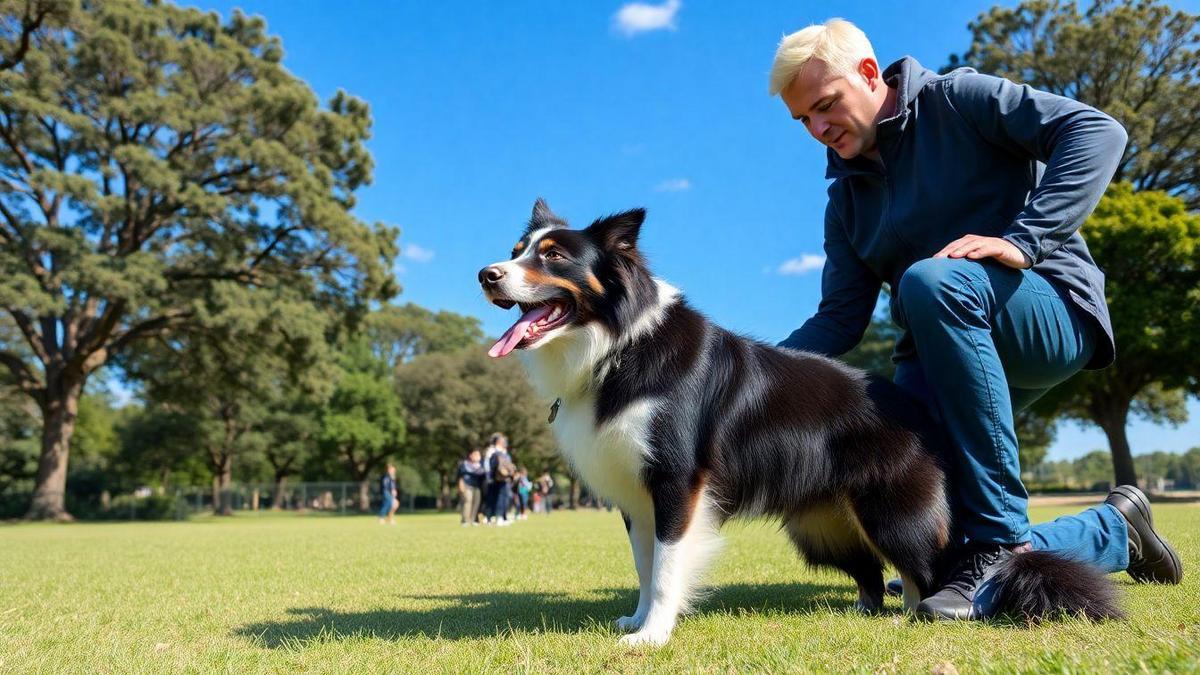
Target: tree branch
<point>25,323</point>
<point>29,25</point>
<point>27,380</point>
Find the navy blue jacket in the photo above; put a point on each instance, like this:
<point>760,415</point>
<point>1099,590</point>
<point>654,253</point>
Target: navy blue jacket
<point>961,156</point>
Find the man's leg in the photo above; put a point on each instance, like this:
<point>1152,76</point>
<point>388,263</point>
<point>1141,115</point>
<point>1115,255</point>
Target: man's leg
<point>982,331</point>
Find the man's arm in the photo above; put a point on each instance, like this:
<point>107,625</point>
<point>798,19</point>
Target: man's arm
<point>1079,145</point>
<point>849,290</point>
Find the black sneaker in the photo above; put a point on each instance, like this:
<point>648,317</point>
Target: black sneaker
<point>957,599</point>
<point>1151,558</point>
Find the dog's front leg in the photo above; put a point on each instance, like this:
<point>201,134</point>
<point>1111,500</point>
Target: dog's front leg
<point>685,538</point>
<point>641,539</point>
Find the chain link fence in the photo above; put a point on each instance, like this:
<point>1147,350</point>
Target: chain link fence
<point>179,503</point>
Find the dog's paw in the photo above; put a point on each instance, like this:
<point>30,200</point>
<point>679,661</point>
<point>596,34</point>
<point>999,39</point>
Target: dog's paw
<point>867,608</point>
<point>645,637</point>
<point>629,624</point>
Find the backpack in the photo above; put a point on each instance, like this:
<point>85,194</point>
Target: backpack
<point>505,467</point>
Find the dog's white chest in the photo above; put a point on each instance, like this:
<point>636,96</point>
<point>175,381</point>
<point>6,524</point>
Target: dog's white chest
<point>610,459</point>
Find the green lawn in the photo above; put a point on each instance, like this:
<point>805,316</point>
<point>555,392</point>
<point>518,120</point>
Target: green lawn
<point>286,593</point>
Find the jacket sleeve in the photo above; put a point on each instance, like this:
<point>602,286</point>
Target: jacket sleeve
<point>1079,145</point>
<point>849,290</point>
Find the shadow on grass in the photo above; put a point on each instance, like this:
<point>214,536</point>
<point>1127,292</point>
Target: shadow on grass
<point>476,615</point>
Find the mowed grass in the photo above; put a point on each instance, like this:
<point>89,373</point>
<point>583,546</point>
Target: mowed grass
<point>280,593</point>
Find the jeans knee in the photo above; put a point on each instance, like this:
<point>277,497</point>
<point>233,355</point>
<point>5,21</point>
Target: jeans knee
<point>933,282</point>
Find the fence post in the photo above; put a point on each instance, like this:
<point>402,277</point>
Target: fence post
<point>303,496</point>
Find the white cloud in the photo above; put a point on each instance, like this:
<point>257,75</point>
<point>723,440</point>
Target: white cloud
<point>417,253</point>
<point>640,17</point>
<point>807,262</point>
<point>674,185</point>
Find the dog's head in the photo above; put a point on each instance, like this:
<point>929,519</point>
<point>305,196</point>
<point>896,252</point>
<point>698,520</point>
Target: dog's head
<point>564,279</point>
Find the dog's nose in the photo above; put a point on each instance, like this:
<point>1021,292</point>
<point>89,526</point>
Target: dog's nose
<point>490,274</point>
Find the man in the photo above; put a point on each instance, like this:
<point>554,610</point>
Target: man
<point>387,489</point>
<point>470,483</point>
<point>937,193</point>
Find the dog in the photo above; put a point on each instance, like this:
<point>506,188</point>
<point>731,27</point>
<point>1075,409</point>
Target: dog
<point>683,425</point>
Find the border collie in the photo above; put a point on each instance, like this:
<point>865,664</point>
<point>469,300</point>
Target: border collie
<point>683,425</point>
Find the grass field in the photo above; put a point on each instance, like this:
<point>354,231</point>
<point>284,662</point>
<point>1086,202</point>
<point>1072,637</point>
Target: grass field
<point>287,593</point>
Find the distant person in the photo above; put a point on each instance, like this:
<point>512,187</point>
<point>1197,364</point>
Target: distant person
<point>387,488</point>
<point>502,471</point>
<point>523,488</point>
<point>489,487</point>
<point>470,487</point>
<point>545,486</point>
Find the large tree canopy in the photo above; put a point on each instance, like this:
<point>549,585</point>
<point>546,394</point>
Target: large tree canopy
<point>1137,60</point>
<point>148,152</point>
<point>1150,247</point>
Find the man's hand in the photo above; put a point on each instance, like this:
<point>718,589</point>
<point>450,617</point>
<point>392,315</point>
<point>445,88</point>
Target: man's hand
<point>975,247</point>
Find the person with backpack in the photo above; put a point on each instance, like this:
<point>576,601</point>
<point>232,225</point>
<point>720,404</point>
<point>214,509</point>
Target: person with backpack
<point>502,471</point>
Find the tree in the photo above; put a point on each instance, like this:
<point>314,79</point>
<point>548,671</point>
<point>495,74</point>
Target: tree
<point>158,446</point>
<point>363,422</point>
<point>1137,60</point>
<point>1149,246</point>
<point>399,333</point>
<point>247,349</point>
<point>147,153</point>
<point>291,428</point>
<point>455,400</point>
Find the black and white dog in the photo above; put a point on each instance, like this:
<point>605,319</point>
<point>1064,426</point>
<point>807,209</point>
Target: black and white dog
<point>683,425</point>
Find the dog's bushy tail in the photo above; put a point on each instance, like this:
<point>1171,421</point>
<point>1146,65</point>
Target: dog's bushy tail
<point>1038,585</point>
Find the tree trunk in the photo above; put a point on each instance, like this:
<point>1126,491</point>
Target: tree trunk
<point>1113,422</point>
<point>59,410</point>
<point>223,498</point>
<point>575,490</point>
<point>443,498</point>
<point>364,495</point>
<point>277,496</point>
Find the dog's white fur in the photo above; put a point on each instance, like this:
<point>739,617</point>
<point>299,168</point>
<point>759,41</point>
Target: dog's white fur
<point>610,459</point>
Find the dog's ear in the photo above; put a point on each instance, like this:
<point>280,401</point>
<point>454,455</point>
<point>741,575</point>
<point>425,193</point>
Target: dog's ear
<point>543,217</point>
<point>618,232</point>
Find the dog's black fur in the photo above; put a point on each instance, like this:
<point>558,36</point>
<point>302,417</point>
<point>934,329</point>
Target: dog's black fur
<point>850,462</point>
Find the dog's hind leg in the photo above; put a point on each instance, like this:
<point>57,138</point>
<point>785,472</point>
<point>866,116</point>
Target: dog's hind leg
<point>825,536</point>
<point>641,540</point>
<point>912,594</point>
<point>909,525</point>
<point>683,544</point>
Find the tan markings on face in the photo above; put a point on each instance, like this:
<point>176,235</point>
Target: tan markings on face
<point>546,245</point>
<point>595,283</point>
<point>520,246</point>
<point>536,277</point>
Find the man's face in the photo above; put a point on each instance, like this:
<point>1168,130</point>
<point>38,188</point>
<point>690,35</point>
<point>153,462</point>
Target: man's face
<point>475,455</point>
<point>838,111</point>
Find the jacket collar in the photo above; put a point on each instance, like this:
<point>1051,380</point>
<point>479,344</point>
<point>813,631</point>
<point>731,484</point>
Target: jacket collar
<point>909,78</point>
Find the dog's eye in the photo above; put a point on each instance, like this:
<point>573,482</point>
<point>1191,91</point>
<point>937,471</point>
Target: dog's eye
<point>553,254</point>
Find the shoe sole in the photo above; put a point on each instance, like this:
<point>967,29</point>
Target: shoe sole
<point>1140,502</point>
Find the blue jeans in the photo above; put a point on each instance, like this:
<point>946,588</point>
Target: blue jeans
<point>991,340</point>
<point>387,505</point>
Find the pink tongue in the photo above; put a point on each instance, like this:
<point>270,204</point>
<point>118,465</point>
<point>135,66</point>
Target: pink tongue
<point>512,336</point>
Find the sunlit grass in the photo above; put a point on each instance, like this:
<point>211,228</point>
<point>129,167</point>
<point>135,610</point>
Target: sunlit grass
<point>287,593</point>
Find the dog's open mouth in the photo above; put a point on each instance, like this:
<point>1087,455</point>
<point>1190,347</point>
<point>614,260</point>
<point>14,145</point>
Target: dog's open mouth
<point>536,321</point>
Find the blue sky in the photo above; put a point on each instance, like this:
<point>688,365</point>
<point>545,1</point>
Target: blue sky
<point>601,106</point>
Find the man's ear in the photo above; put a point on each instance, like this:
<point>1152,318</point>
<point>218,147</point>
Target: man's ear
<point>868,68</point>
<point>543,217</point>
<point>618,232</point>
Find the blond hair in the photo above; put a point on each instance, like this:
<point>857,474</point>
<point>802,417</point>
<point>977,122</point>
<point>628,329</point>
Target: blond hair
<point>837,43</point>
